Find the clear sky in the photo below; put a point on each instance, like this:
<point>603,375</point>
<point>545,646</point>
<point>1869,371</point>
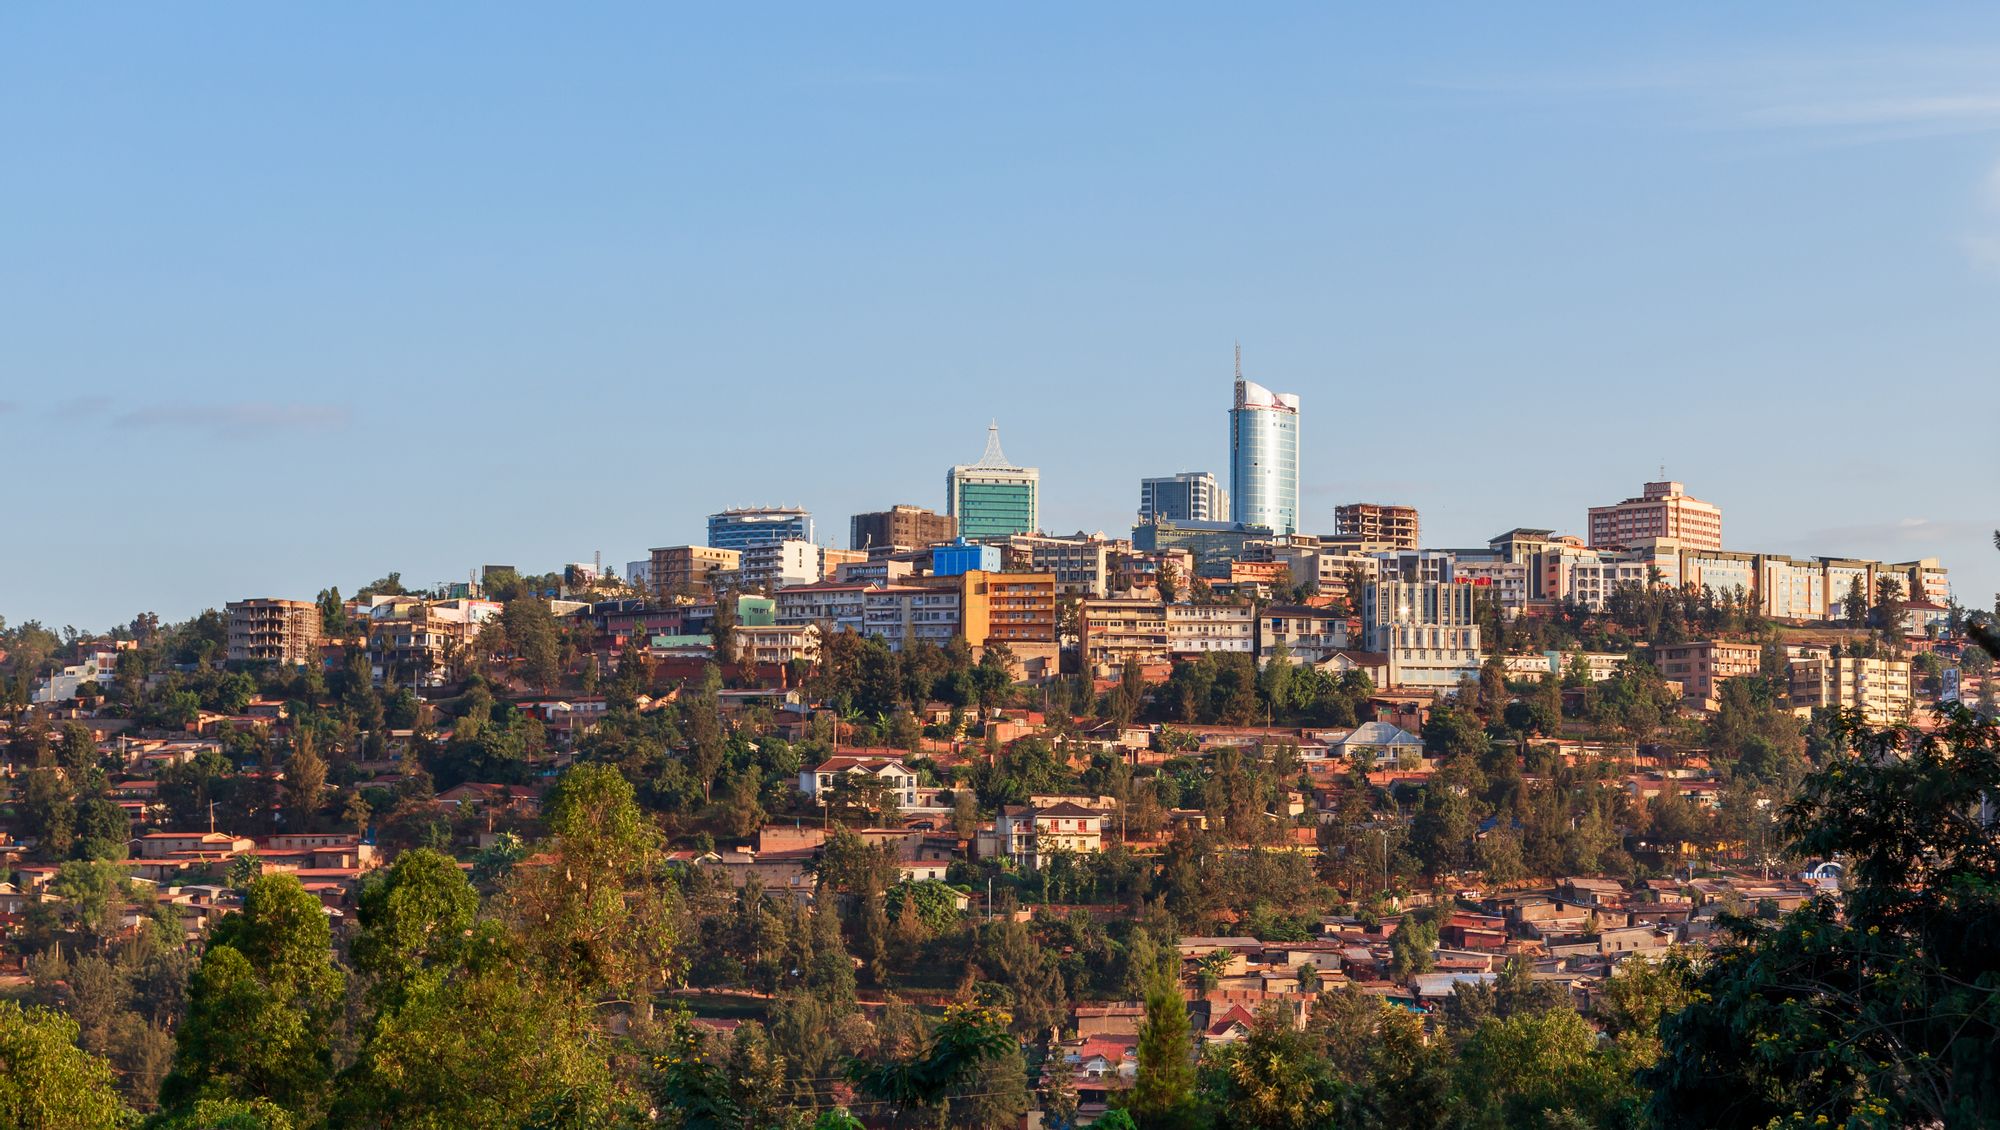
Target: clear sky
<point>294,295</point>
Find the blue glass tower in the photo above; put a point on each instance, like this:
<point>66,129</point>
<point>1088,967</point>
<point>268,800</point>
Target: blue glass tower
<point>1264,458</point>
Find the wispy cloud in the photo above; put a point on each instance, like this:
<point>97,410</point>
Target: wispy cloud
<point>1892,94</point>
<point>237,417</point>
<point>1904,531</point>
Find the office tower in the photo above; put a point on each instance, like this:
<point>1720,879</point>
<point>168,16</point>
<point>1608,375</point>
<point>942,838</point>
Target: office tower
<point>900,527</point>
<point>1374,522</point>
<point>1264,458</point>
<point>743,526</point>
<point>1664,511</point>
<point>1191,496</point>
<point>993,498</point>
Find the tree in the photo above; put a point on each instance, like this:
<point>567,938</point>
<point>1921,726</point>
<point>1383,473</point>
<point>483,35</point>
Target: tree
<point>48,1082</point>
<point>1879,1006</point>
<point>415,919</point>
<point>1275,1078</point>
<point>1164,1094</point>
<point>1538,1068</point>
<point>601,915</point>
<point>263,1007</point>
<point>1413,947</point>
<point>305,781</point>
<point>966,1040</point>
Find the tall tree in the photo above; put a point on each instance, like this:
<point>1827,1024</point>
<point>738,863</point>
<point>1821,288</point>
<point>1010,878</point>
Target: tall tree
<point>1163,1097</point>
<point>263,1008</point>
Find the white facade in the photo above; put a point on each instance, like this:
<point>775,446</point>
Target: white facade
<point>1195,628</point>
<point>99,666</point>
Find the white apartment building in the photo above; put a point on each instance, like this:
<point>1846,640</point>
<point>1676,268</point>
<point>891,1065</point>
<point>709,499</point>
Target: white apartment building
<point>99,666</point>
<point>773,565</point>
<point>1427,631</point>
<point>841,608</point>
<point>1195,628</point>
<point>905,615</point>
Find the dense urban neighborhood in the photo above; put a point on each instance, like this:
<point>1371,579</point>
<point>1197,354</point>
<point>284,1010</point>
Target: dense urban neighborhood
<point>1218,822</point>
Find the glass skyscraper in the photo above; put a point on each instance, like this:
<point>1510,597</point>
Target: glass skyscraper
<point>993,498</point>
<point>1264,458</point>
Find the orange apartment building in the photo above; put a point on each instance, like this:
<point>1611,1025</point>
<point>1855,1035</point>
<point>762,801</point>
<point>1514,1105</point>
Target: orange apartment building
<point>1701,667</point>
<point>1665,510</point>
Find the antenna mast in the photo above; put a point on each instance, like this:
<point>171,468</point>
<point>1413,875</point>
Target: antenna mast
<point>1239,360</point>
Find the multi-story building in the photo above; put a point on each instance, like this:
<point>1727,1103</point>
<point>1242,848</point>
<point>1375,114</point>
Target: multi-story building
<point>1427,630</point>
<point>743,526</point>
<point>1309,635</point>
<point>1416,565</point>
<point>1138,571</point>
<point>1081,564</point>
<point>99,665</point>
<point>1117,631</point>
<point>1191,496</point>
<point>1788,589</point>
<point>1196,628</point>
<point>1375,522</point>
<point>1264,458</point>
<point>1701,667</point>
<point>1017,610</point>
<point>898,779</point>
<point>422,642</point>
<point>268,630</point>
<point>963,556</point>
<point>837,607</point>
<point>1587,577</point>
<point>993,498</point>
<point>1879,688</point>
<point>830,560</point>
<point>639,574</point>
<point>775,645</point>
<point>1029,835</point>
<point>773,565</point>
<point>900,527</point>
<point>1505,581</point>
<point>682,572</point>
<point>1665,510</point>
<point>906,615</point>
<point>1721,571</point>
<point>1212,545</point>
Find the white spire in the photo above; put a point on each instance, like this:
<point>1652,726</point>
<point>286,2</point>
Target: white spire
<point>994,457</point>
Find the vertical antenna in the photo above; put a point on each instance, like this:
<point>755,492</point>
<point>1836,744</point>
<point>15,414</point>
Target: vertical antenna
<point>1239,360</point>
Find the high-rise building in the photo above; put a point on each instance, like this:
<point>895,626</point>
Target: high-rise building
<point>1664,511</point>
<point>900,527</point>
<point>1374,522</point>
<point>688,571</point>
<point>742,526</point>
<point>1264,458</point>
<point>1191,496</point>
<point>993,498</point>
<point>1428,630</point>
<point>274,631</point>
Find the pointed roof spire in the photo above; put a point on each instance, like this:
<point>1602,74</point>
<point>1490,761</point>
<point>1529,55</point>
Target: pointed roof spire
<point>994,457</point>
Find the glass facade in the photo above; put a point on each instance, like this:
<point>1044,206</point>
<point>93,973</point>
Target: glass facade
<point>1264,458</point>
<point>738,529</point>
<point>988,506</point>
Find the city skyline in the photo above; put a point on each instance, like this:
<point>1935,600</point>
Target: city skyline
<point>1704,239</point>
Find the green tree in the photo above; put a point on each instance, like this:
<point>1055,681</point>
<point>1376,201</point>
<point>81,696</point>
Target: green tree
<point>1879,1007</point>
<point>1163,1097</point>
<point>263,1007</point>
<point>48,1082</point>
<point>1275,1078</point>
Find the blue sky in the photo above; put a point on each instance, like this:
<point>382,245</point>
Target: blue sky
<point>295,296</point>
